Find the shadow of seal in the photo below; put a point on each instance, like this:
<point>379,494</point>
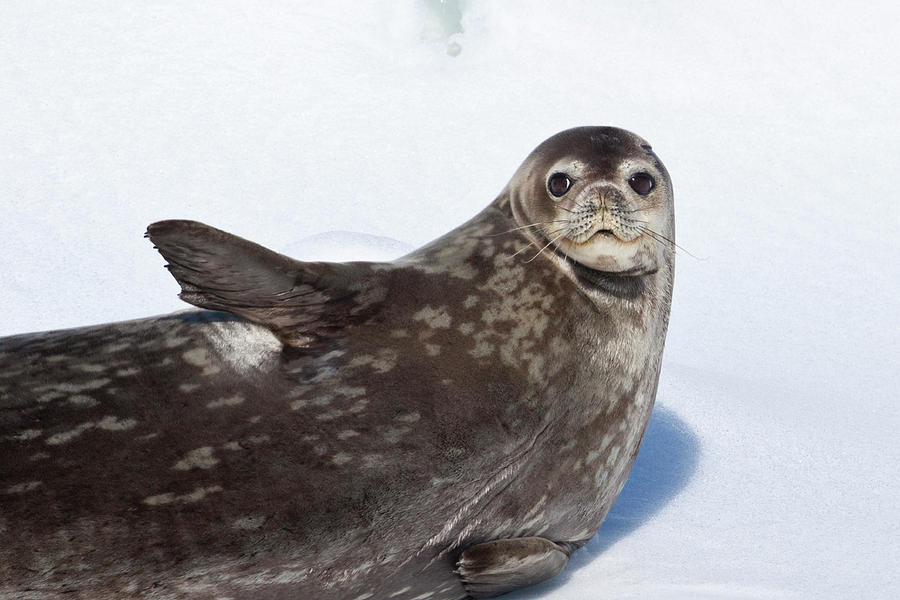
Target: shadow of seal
<point>452,424</point>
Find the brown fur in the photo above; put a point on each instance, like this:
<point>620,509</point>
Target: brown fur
<point>417,409</point>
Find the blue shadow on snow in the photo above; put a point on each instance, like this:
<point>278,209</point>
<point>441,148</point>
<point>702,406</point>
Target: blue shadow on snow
<point>667,461</point>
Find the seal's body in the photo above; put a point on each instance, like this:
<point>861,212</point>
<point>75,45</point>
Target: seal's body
<point>451,424</point>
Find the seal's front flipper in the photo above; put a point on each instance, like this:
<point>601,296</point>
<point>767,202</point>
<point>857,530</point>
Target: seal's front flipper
<point>501,566</point>
<point>298,301</point>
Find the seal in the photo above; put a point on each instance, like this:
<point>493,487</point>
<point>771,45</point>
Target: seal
<point>452,424</point>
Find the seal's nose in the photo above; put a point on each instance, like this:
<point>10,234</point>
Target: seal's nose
<point>610,198</point>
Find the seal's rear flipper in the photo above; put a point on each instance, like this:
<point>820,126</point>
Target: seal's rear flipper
<point>298,301</point>
<point>501,566</point>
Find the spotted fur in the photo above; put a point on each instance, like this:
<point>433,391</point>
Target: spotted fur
<point>346,431</point>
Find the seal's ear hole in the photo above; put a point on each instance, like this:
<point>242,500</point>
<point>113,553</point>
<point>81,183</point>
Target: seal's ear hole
<point>559,184</point>
<point>641,183</point>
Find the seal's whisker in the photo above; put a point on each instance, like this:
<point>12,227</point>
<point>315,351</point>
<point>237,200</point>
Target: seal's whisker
<point>565,252</point>
<point>652,236</point>
<point>655,236</point>
<point>526,227</point>
<point>659,236</point>
<point>534,242</point>
<point>555,231</point>
<point>545,247</point>
<point>524,248</point>
<point>565,230</point>
<point>664,240</point>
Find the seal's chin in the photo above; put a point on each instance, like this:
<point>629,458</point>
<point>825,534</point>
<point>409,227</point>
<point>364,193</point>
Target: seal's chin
<point>608,264</point>
<point>620,285</point>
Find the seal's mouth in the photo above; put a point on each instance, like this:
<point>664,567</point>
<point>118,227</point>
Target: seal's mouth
<point>603,233</point>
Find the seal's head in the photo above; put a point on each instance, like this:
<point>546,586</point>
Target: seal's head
<point>600,198</point>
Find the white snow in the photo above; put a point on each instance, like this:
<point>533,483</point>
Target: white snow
<point>770,467</point>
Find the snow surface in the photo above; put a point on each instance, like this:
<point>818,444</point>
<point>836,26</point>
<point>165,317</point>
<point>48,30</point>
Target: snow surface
<point>770,466</point>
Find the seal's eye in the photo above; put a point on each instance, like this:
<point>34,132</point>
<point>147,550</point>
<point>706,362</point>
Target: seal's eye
<point>559,184</point>
<point>641,183</point>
